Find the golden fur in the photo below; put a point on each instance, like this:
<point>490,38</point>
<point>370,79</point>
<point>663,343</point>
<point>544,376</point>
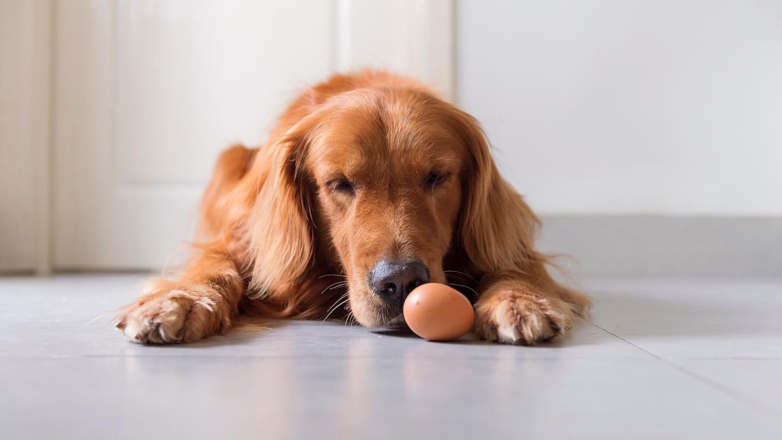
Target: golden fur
<point>360,167</point>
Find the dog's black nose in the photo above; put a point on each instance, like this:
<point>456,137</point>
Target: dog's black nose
<point>394,281</point>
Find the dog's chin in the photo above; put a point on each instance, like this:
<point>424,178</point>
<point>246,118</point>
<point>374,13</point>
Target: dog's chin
<point>386,320</point>
<point>398,321</point>
<point>382,317</point>
<point>391,317</point>
<point>395,325</point>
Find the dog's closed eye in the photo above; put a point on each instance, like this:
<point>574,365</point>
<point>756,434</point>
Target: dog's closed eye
<point>342,186</point>
<point>435,178</point>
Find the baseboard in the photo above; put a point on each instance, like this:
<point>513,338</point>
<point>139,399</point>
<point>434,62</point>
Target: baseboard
<point>657,246</point>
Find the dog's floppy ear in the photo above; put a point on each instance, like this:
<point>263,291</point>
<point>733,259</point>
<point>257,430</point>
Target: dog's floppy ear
<point>496,226</point>
<point>280,229</point>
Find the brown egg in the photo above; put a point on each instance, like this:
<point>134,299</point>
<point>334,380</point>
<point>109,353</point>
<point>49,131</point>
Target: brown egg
<point>438,313</point>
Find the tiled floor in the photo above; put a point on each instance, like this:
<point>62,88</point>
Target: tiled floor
<point>661,360</point>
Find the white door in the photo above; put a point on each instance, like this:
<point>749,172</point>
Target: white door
<point>147,93</point>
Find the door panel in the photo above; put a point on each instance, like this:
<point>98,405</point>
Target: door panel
<point>147,94</point>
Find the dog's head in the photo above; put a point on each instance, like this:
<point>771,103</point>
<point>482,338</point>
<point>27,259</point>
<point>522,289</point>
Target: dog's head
<point>383,183</point>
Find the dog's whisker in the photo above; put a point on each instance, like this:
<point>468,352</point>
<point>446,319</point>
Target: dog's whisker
<point>460,273</point>
<point>341,297</point>
<point>349,318</point>
<point>466,287</point>
<point>335,307</point>
<point>332,275</point>
<point>331,286</point>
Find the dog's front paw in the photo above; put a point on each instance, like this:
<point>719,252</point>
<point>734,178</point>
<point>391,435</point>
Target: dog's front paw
<point>171,314</point>
<point>513,316</point>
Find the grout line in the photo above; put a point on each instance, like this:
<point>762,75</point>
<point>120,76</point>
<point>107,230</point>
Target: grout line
<point>741,398</point>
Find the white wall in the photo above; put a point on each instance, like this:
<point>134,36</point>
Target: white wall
<point>599,107</point>
<point>629,107</point>
<point>147,93</point>
<point>114,111</point>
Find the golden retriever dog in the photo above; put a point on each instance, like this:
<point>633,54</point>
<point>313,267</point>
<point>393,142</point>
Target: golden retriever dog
<point>368,186</point>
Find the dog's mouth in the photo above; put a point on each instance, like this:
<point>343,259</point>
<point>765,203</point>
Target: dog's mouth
<point>393,326</point>
<point>398,321</point>
<point>372,313</point>
<point>390,317</point>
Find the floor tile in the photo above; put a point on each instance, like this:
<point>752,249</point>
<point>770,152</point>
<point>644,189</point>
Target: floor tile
<point>647,375</point>
<point>366,397</point>
<point>724,332</point>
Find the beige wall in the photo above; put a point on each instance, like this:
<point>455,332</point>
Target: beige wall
<point>24,133</point>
